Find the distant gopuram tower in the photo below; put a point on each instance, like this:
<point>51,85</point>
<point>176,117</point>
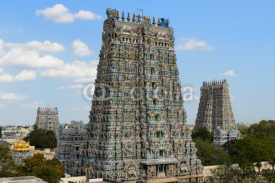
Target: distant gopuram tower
<point>47,119</point>
<point>137,128</point>
<point>215,111</point>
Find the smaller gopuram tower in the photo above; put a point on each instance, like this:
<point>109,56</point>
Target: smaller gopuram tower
<point>215,109</point>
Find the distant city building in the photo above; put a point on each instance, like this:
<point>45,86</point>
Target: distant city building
<point>71,147</point>
<point>215,112</point>
<point>9,135</point>
<point>47,118</point>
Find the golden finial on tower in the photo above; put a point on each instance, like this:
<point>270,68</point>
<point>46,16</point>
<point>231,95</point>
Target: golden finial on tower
<point>117,15</point>
<point>154,22</point>
<point>138,21</point>
<point>158,22</point>
<point>123,18</point>
<point>128,18</point>
<point>134,18</point>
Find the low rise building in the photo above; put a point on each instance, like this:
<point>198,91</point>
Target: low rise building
<point>26,179</point>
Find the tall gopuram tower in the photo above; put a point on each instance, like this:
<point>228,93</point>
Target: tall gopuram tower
<point>215,112</point>
<point>137,127</point>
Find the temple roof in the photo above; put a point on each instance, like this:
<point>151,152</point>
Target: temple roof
<point>21,145</point>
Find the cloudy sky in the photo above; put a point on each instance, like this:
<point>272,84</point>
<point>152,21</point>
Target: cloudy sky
<point>49,52</point>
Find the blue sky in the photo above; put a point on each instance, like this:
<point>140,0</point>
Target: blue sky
<point>49,51</point>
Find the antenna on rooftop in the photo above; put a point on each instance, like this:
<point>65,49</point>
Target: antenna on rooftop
<point>141,10</point>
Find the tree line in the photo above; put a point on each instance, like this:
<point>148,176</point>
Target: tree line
<point>48,170</point>
<point>255,145</point>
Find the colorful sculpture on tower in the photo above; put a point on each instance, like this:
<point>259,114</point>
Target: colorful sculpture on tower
<point>137,128</point>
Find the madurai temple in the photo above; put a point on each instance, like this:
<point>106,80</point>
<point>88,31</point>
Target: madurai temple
<point>215,112</point>
<point>138,129</point>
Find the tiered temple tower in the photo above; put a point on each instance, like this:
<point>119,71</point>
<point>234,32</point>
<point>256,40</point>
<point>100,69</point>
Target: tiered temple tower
<point>137,125</point>
<point>215,111</point>
<point>71,147</point>
<point>47,119</point>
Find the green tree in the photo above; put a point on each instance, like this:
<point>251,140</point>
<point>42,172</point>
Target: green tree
<point>7,166</point>
<point>0,132</point>
<point>209,154</point>
<point>243,129</point>
<point>48,170</point>
<point>266,127</point>
<point>42,138</point>
<point>31,134</point>
<point>226,174</point>
<point>203,133</point>
<point>48,173</point>
<point>253,149</point>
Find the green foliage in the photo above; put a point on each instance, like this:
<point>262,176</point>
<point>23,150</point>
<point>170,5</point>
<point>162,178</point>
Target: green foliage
<point>42,138</point>
<point>209,154</point>
<point>204,134</point>
<point>48,170</point>
<point>266,127</point>
<point>226,174</point>
<point>7,166</point>
<point>0,132</point>
<point>254,148</point>
<point>229,174</point>
<point>206,151</point>
<point>257,145</point>
<point>243,129</point>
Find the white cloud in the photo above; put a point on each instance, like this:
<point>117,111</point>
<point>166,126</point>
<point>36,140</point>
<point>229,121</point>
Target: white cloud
<point>77,86</point>
<point>22,76</point>
<point>235,98</point>
<point>2,105</point>
<point>25,75</point>
<point>2,51</point>
<point>229,73</point>
<point>81,49</point>
<point>195,97</point>
<point>77,72</point>
<point>27,55</point>
<point>29,59</point>
<point>46,46</point>
<point>59,13</point>
<point>33,105</point>
<point>187,44</point>
<point>12,96</point>
<point>5,77</point>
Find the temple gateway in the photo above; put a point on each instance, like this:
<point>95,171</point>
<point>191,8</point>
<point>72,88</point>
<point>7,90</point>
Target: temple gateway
<point>137,128</point>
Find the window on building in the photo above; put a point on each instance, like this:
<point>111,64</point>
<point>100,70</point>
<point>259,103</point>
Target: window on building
<point>156,117</point>
<point>161,153</point>
<point>158,134</point>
